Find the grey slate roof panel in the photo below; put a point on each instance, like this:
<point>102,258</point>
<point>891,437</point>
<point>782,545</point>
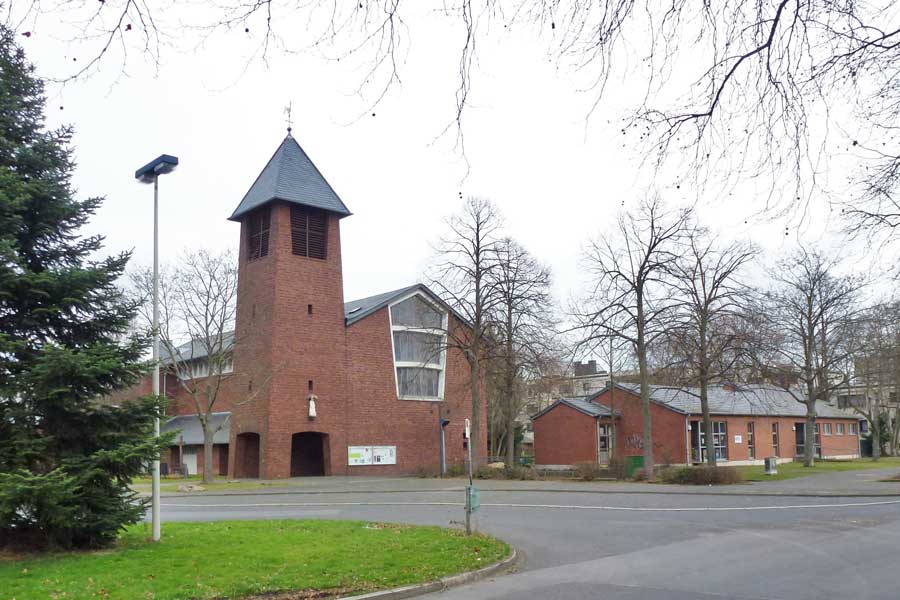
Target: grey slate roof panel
<point>290,176</point>
<point>189,428</point>
<point>193,350</point>
<point>764,400</point>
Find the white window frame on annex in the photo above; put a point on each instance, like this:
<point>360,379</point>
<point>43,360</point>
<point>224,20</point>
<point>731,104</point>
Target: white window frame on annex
<point>441,367</point>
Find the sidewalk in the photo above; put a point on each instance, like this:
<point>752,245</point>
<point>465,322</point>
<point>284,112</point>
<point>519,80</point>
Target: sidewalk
<point>840,484</point>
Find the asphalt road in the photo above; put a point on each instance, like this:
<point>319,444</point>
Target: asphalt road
<point>672,546</point>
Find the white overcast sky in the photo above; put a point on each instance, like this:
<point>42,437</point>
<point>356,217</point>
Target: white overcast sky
<point>557,179</point>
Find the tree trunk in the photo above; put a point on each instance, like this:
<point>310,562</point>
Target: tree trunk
<point>645,395</point>
<point>475,440</point>
<point>511,439</point>
<point>709,442</point>
<point>207,454</point>
<point>876,434</point>
<point>809,459</point>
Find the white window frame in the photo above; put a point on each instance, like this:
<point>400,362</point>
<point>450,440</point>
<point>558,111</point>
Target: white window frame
<point>838,429</point>
<point>441,367</point>
<point>827,428</point>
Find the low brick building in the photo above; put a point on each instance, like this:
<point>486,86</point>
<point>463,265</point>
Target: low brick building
<point>317,385</point>
<point>750,423</point>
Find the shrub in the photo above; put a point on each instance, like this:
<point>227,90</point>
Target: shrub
<point>426,472</point>
<point>639,475</point>
<point>702,475</point>
<point>457,470</point>
<point>587,471</point>
<point>617,468</point>
<point>515,472</point>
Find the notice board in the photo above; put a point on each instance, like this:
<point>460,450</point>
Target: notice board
<point>371,455</point>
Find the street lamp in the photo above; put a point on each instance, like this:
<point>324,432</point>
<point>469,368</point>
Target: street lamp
<point>150,173</point>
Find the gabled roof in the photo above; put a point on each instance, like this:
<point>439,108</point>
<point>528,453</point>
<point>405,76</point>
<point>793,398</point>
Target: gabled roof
<point>189,428</point>
<point>195,349</point>
<point>581,405</point>
<point>754,399</point>
<point>290,176</point>
<point>359,309</point>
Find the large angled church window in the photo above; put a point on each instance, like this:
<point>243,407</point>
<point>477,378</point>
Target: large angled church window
<point>418,330</point>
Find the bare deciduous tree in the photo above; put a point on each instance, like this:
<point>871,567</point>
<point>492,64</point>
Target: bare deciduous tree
<point>811,314</point>
<point>767,90</point>
<point>463,276</point>
<point>630,292</point>
<point>706,345</point>
<point>198,300</point>
<point>523,324</point>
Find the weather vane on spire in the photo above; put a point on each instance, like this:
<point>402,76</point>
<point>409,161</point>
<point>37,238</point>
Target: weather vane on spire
<point>287,112</point>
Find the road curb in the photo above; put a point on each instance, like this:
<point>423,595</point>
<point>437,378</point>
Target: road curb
<point>411,591</point>
<point>668,492</point>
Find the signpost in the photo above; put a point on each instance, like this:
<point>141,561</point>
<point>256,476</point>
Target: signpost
<point>473,498</point>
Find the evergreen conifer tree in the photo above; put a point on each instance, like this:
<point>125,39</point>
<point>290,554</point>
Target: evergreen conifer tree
<point>65,459</point>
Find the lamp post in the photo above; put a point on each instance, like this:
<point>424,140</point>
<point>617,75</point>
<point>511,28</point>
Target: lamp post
<point>150,173</point>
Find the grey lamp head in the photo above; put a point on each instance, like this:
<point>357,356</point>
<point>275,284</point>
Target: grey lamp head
<point>164,163</point>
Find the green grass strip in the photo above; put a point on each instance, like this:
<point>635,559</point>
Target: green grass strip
<point>241,558</point>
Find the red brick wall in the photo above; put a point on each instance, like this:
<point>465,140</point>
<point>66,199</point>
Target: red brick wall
<point>351,367</point>
<point>565,436</point>
<point>668,428</point>
<point>833,445</point>
<point>220,456</point>
<point>378,417</point>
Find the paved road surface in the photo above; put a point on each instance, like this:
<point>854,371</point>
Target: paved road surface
<point>600,543</point>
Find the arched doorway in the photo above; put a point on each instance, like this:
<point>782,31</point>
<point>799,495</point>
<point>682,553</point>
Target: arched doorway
<point>246,461</point>
<point>309,454</point>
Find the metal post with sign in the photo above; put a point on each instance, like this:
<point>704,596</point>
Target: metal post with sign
<point>473,500</point>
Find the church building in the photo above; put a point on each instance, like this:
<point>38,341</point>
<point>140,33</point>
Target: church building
<point>318,385</point>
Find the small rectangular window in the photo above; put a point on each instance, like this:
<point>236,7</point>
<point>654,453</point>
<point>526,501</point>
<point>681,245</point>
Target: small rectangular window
<point>258,233</point>
<point>827,428</point>
<point>852,428</point>
<point>309,232</point>
<point>309,309</point>
<point>839,429</point>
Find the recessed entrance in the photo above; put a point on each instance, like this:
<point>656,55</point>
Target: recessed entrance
<point>246,463</point>
<point>309,454</point>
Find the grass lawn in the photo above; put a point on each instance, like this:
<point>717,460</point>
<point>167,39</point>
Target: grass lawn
<point>241,558</point>
<point>796,469</point>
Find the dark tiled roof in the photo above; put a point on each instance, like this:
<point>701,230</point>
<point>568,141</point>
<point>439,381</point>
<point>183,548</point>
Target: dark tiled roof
<point>290,176</point>
<point>358,309</point>
<point>753,399</point>
<point>189,428</point>
<point>581,405</point>
<point>195,349</point>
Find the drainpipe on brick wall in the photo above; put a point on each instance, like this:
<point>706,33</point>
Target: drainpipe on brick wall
<point>687,439</point>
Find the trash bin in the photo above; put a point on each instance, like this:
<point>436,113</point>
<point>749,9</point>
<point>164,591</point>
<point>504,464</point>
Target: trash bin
<point>633,463</point>
<point>771,465</point>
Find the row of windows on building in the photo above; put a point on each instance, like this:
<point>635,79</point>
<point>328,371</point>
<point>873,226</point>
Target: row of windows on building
<point>720,438</point>
<point>195,369</point>
<point>309,232</point>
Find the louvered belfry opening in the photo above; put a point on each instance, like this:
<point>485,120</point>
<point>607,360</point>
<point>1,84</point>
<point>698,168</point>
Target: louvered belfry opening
<point>258,233</point>
<point>309,232</point>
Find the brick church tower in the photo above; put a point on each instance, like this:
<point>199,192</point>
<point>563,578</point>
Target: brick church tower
<point>290,353</point>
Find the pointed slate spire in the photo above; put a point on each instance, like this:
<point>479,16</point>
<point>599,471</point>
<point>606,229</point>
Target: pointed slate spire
<point>290,176</point>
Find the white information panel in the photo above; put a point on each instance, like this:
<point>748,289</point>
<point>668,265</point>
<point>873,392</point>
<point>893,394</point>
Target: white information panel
<point>371,455</point>
<point>359,455</point>
<point>384,455</point>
